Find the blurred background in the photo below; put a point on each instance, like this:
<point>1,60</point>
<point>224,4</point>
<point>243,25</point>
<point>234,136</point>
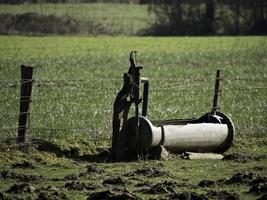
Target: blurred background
<point>133,17</point>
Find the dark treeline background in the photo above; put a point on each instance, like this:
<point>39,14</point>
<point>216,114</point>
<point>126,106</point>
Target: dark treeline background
<point>194,17</point>
<point>209,17</point>
<point>75,1</point>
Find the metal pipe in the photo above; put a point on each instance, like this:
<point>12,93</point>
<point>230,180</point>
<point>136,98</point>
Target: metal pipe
<point>145,98</point>
<point>194,137</point>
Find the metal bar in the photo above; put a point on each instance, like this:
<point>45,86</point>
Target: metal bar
<point>217,93</point>
<point>145,99</point>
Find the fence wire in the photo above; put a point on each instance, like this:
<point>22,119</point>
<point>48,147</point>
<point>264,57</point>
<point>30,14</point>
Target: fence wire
<point>48,122</point>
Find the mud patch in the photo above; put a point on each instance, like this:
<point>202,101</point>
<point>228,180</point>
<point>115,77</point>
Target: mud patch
<point>5,175</point>
<point>114,181</point>
<point>263,197</point>
<point>243,158</point>
<point>259,168</point>
<point>241,177</point>
<point>2,196</point>
<point>259,188</point>
<point>206,183</point>
<point>24,165</point>
<point>21,188</point>
<point>187,196</point>
<point>223,195</point>
<point>92,168</point>
<point>59,165</point>
<point>108,194</point>
<point>78,186</point>
<point>145,184</point>
<point>89,170</point>
<point>52,195</point>
<point>159,188</point>
<point>148,171</point>
<point>20,177</point>
<point>259,179</point>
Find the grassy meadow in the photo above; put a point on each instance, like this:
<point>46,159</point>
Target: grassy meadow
<point>76,80</point>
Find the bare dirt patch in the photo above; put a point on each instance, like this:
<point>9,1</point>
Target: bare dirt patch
<point>223,195</point>
<point>79,186</point>
<point>159,188</point>
<point>24,164</point>
<point>114,181</point>
<point>243,158</point>
<point>111,195</point>
<point>148,171</point>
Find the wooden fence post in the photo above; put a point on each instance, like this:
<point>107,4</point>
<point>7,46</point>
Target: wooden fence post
<point>25,99</point>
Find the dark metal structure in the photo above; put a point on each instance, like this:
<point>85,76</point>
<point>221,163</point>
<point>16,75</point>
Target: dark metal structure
<point>137,136</point>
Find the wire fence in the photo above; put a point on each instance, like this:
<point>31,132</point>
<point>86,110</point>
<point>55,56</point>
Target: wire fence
<point>84,108</point>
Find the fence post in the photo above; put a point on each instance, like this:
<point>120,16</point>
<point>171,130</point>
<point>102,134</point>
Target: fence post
<point>217,93</point>
<point>25,99</point>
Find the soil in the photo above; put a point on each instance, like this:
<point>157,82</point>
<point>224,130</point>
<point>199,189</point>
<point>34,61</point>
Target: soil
<point>241,177</point>
<point>52,195</point>
<point>206,183</point>
<point>79,186</point>
<point>21,188</point>
<point>114,181</point>
<point>92,168</point>
<point>263,197</point>
<point>148,171</point>
<point>259,188</point>
<point>259,179</point>
<point>20,177</point>
<point>159,188</point>
<point>223,195</point>
<point>186,196</point>
<point>109,194</point>
<point>24,164</point>
<point>243,158</point>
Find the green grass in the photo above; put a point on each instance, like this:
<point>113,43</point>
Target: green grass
<point>127,19</point>
<point>86,72</point>
<point>170,63</point>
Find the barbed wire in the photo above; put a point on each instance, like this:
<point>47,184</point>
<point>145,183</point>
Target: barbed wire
<point>110,110</point>
<point>75,82</point>
<point>104,92</point>
<point>208,89</point>
<point>225,77</point>
<point>85,129</point>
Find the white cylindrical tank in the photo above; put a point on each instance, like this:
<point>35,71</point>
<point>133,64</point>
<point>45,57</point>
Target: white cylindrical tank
<point>195,137</point>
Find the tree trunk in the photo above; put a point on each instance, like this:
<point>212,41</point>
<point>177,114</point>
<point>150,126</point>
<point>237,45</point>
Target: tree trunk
<point>237,15</point>
<point>209,16</point>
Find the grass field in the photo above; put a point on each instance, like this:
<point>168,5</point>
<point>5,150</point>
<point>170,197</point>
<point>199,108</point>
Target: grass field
<point>76,82</point>
<point>126,19</point>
